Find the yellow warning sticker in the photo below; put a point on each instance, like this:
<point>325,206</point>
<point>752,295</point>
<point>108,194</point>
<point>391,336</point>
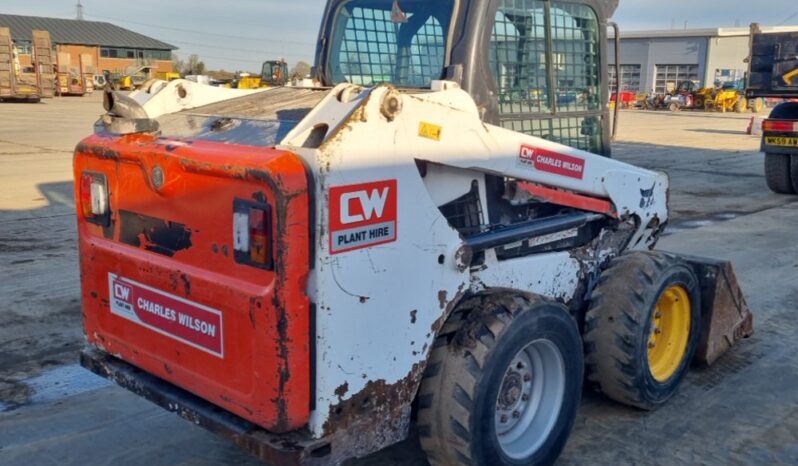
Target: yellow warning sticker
<point>429,131</point>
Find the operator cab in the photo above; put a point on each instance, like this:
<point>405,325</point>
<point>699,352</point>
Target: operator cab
<point>538,67</point>
<point>274,73</point>
<point>533,66</point>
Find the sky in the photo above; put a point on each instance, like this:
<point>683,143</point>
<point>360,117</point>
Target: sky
<point>241,34</point>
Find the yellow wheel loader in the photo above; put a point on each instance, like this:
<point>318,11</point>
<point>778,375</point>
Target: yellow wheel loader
<point>273,73</point>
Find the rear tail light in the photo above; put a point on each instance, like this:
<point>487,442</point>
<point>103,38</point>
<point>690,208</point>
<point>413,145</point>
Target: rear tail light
<point>94,198</point>
<point>252,232</point>
<point>780,125</point>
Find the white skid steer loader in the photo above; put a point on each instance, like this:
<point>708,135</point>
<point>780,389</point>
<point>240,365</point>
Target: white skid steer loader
<point>434,237</point>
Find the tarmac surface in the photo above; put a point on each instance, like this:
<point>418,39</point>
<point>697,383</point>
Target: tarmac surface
<point>743,410</point>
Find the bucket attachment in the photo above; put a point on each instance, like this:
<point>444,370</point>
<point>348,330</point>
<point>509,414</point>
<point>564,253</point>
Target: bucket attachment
<point>725,315</point>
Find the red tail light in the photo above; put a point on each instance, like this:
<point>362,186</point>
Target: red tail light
<point>252,233</point>
<point>94,198</point>
<point>780,125</point>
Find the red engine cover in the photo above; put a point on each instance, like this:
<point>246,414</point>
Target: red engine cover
<point>161,285</point>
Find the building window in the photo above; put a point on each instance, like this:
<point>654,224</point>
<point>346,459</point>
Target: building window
<point>728,76</point>
<point>117,52</point>
<point>668,77</point>
<point>630,78</point>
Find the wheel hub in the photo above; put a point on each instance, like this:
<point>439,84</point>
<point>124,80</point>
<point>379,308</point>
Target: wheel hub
<point>529,398</point>
<point>511,390</point>
<point>670,332</point>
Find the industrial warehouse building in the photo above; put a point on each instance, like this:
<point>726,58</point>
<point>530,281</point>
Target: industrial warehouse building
<point>111,47</point>
<point>657,61</point>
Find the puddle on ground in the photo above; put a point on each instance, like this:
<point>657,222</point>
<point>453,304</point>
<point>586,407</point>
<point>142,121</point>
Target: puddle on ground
<point>62,382</point>
<point>678,226</point>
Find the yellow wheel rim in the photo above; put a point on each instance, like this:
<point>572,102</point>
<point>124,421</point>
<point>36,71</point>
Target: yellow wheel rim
<point>670,332</point>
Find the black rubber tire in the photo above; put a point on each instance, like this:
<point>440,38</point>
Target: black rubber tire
<point>618,322</point>
<point>778,174</point>
<point>457,397</point>
<point>700,103</point>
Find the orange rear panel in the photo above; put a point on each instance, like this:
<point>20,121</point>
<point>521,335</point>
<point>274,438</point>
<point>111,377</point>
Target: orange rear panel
<point>231,333</point>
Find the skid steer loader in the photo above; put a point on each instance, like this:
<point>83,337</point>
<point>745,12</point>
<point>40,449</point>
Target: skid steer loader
<point>309,272</point>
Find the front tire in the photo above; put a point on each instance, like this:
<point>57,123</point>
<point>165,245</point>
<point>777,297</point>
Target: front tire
<point>641,330</point>
<point>503,384</point>
<point>778,169</point>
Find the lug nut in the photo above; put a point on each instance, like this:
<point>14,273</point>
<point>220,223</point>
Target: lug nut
<point>657,315</point>
<point>503,418</point>
<point>520,365</point>
<point>524,397</point>
<point>527,377</point>
<point>516,414</point>
<point>657,330</point>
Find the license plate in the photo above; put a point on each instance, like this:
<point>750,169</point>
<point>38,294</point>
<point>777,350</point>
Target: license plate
<point>781,141</point>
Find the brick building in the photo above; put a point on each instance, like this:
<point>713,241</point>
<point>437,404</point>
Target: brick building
<point>111,47</point>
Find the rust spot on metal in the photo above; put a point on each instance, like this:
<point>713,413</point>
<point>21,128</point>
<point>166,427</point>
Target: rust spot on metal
<point>375,417</point>
<point>341,390</point>
<point>153,234</point>
<point>97,151</point>
<point>442,298</point>
<point>186,283</point>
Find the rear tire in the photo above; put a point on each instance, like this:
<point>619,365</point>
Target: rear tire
<point>503,384</point>
<point>641,329</point>
<point>756,105</point>
<point>739,106</point>
<point>778,173</point>
<point>794,171</point>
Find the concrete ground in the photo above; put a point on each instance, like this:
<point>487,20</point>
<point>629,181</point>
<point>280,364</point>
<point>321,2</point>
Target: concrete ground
<point>743,410</point>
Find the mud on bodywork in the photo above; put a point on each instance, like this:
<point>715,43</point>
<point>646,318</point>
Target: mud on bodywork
<point>377,416</point>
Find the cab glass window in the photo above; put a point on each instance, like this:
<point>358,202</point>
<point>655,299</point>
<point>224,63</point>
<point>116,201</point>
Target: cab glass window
<point>382,41</point>
<point>518,57</point>
<point>540,91</point>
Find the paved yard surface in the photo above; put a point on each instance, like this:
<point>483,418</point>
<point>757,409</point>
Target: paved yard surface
<point>744,410</point>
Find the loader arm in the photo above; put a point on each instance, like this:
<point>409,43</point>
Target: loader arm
<point>448,119</point>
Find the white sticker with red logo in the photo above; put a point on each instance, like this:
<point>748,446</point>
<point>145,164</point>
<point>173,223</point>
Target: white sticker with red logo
<point>186,321</point>
<point>552,162</point>
<point>362,215</point>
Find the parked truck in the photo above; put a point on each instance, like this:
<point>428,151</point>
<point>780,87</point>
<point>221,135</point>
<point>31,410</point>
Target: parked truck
<point>311,271</point>
<point>773,73</point>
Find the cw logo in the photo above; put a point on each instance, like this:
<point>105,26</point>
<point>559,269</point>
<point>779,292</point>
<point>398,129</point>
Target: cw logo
<point>367,205</point>
<point>121,292</point>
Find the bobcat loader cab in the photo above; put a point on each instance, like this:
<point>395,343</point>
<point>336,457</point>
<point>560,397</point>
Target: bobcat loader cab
<point>311,271</point>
